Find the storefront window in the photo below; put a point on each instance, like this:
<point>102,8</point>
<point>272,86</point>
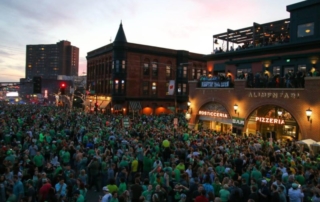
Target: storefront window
<point>276,70</point>
<point>305,30</point>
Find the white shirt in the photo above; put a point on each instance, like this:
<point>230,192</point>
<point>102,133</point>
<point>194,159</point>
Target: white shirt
<point>106,197</point>
<point>189,171</point>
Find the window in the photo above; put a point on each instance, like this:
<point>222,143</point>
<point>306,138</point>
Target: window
<point>146,69</point>
<point>306,30</point>
<point>122,86</point>
<point>154,88</point>
<point>241,72</point>
<point>276,70</point>
<point>185,72</point>
<point>145,88</point>
<point>193,74</point>
<point>154,70</point>
<point>184,89</point>
<point>123,64</point>
<point>168,71</point>
<point>198,73</point>
<point>179,89</point>
<point>302,68</point>
<point>116,86</point>
<point>111,85</point>
<point>112,65</point>
<point>117,66</point>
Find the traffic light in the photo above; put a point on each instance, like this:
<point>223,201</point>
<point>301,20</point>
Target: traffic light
<point>63,88</point>
<point>37,85</point>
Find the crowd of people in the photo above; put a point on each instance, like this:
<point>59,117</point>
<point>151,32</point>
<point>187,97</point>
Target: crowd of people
<point>56,154</point>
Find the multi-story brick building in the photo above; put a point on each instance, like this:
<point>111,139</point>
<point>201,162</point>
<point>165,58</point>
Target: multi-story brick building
<point>276,79</point>
<point>135,78</point>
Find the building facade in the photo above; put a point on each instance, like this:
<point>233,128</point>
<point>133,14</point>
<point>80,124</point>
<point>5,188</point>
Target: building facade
<point>135,78</point>
<point>51,60</point>
<point>275,74</point>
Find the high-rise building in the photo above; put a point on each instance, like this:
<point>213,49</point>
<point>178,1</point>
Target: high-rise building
<point>51,60</point>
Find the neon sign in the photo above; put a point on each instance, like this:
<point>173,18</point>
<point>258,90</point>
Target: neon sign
<point>214,114</point>
<point>270,120</point>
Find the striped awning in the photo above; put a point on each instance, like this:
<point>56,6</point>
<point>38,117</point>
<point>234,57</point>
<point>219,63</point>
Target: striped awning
<point>135,106</point>
<point>117,107</point>
<point>104,104</point>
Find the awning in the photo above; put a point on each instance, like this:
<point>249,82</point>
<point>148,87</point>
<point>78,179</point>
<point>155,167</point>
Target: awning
<point>117,107</point>
<point>104,104</point>
<point>135,106</point>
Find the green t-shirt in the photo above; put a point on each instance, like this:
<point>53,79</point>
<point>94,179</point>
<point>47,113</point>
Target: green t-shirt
<point>12,198</point>
<point>181,167</point>
<point>122,188</point>
<point>147,195</point>
<point>112,188</point>
<point>224,195</point>
<point>66,157</point>
<point>177,175</point>
<point>38,160</point>
<point>147,164</point>
<point>80,198</point>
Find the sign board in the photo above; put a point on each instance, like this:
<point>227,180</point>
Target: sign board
<point>215,84</point>
<point>213,114</point>
<point>238,121</point>
<point>126,122</point>
<point>270,120</point>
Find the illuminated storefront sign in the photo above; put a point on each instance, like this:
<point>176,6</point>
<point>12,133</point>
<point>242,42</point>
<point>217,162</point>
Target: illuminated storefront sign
<point>238,121</point>
<point>270,120</point>
<point>213,114</point>
<point>215,84</point>
<point>285,95</point>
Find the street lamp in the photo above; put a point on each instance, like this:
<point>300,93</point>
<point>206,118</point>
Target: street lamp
<point>235,107</point>
<point>308,113</point>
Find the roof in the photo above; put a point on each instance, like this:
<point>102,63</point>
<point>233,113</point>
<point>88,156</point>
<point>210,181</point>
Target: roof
<point>255,32</point>
<point>121,37</point>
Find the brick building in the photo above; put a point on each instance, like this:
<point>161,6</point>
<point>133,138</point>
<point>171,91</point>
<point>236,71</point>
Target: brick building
<point>132,78</point>
<point>275,72</point>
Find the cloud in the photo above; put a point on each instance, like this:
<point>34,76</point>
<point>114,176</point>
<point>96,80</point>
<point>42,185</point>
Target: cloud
<point>4,53</point>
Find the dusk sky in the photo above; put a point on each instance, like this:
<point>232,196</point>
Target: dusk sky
<point>175,24</point>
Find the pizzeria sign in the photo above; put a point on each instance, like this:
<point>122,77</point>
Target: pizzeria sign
<point>270,120</point>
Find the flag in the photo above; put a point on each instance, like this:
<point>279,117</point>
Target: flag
<point>171,87</point>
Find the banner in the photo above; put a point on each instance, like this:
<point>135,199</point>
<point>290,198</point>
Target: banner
<point>215,84</point>
<point>171,87</point>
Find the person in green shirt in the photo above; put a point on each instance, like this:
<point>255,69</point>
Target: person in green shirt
<point>224,193</point>
<point>12,197</point>
<point>122,186</point>
<point>220,170</point>
<point>147,194</point>
<point>78,196</point>
<point>112,187</point>
<point>114,197</point>
<point>38,160</point>
<point>66,157</point>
